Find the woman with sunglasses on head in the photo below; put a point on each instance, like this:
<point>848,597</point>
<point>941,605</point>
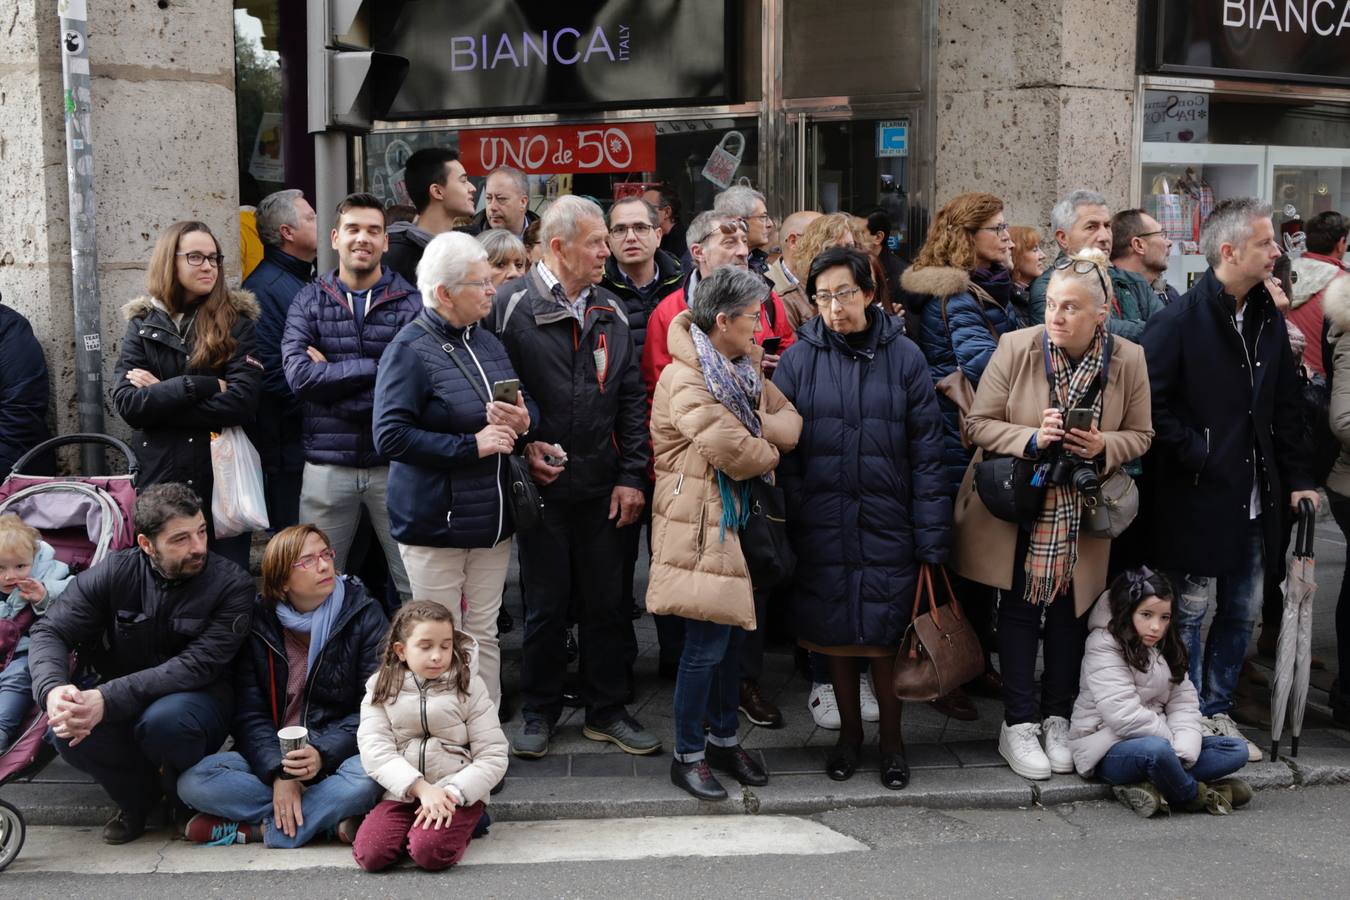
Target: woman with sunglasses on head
<point>1049,569</point>
<point>186,368</point>
<point>314,642</point>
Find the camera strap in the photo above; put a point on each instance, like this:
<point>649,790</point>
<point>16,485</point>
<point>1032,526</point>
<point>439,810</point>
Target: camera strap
<point>1098,385</point>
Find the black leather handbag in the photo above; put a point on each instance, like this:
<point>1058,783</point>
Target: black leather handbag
<point>764,540</point>
<point>1005,488</point>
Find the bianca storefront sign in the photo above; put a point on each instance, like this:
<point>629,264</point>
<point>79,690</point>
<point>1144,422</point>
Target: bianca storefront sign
<point>1273,40</point>
<point>495,56</point>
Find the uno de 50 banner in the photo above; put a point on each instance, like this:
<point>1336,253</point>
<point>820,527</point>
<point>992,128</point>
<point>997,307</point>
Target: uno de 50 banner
<point>560,148</point>
<point>494,56</point>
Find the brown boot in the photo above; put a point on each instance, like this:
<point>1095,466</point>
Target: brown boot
<point>755,707</point>
<point>1236,791</point>
<point>1209,800</point>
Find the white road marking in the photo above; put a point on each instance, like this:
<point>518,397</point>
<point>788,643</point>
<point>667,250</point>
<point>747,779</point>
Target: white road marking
<point>80,850</point>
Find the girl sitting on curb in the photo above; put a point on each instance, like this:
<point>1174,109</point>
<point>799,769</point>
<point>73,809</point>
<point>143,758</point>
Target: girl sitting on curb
<point>1136,722</point>
<point>430,736</point>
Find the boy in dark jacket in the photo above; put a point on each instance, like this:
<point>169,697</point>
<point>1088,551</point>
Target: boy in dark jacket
<point>161,624</point>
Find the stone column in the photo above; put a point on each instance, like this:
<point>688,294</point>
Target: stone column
<point>163,126</point>
<point>1033,98</point>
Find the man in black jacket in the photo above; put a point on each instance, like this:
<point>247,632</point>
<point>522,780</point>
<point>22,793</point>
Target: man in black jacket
<point>441,191</point>
<point>161,624</point>
<point>23,392</point>
<point>570,344</point>
<point>1227,453</point>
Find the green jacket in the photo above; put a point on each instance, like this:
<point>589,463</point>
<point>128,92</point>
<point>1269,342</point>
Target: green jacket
<point>1137,300</point>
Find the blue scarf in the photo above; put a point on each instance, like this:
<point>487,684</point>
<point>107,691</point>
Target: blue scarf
<point>318,622</point>
<point>736,384</point>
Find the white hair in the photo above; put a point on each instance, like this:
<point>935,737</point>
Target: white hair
<point>446,261</point>
<point>276,210</point>
<point>1065,214</point>
<point>563,218</point>
<point>1230,223</point>
<point>738,201</point>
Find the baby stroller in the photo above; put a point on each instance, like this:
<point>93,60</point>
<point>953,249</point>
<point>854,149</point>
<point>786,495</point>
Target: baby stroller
<point>84,519</point>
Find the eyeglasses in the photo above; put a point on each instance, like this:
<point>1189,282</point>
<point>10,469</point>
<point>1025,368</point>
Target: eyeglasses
<point>484,284</point>
<point>1000,229</point>
<point>1147,234</point>
<point>309,562</point>
<point>1082,267</point>
<point>765,216</point>
<point>757,316</point>
<point>735,226</point>
<point>195,258</point>
<point>641,229</point>
<point>841,296</point>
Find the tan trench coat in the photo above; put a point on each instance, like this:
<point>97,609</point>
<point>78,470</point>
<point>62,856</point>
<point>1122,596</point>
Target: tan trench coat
<point>1012,395</point>
<point>694,573</point>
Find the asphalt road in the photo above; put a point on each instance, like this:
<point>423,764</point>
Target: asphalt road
<point>1289,843</point>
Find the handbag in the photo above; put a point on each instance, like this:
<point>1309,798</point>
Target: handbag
<point>1005,486</point>
<point>238,500</point>
<point>764,540</point>
<point>527,506</point>
<point>1120,498</point>
<point>940,650</point>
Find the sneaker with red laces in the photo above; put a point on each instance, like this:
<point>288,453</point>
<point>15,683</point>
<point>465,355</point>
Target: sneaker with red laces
<point>217,832</point>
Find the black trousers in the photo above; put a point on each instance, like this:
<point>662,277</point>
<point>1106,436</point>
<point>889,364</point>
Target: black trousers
<point>576,548</point>
<point>1019,632</point>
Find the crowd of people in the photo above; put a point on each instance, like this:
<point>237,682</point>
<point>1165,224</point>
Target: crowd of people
<point>463,384</point>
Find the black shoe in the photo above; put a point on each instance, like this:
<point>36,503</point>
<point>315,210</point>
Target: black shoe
<point>894,771</point>
<point>505,622</point>
<point>757,709</point>
<point>842,762</point>
<point>697,779</point>
<point>734,761</point>
<point>123,828</point>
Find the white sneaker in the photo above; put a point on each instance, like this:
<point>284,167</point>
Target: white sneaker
<point>1223,725</point>
<point>823,707</point>
<point>871,712</point>
<point>1020,745</point>
<point>1057,744</point>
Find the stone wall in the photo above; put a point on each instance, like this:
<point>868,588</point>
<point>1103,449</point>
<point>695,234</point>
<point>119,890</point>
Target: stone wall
<point>1034,98</point>
<point>163,126</point>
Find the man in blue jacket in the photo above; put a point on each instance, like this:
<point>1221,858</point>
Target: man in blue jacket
<point>1227,452</point>
<point>288,229</point>
<point>336,331</point>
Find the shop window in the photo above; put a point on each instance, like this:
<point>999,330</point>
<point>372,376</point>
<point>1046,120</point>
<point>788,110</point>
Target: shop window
<point>275,150</point>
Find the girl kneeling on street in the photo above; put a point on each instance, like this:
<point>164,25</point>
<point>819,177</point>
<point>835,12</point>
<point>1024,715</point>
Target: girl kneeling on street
<point>430,736</point>
<point>1136,722</point>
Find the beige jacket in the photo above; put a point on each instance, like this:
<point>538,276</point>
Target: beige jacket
<point>1336,309</point>
<point>1012,395</point>
<point>695,573</point>
<point>430,731</point>
<point>793,294</point>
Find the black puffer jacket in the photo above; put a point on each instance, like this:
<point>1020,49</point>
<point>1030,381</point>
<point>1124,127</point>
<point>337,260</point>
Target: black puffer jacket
<point>600,419</point>
<point>173,420</point>
<point>145,636</point>
<point>669,279</point>
<point>333,688</point>
<point>24,391</point>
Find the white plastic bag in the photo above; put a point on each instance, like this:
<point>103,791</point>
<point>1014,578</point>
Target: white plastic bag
<point>237,500</point>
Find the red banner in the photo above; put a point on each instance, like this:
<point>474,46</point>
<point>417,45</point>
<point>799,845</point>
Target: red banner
<point>561,149</point>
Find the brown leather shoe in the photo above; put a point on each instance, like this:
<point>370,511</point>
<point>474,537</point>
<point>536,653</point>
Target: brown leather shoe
<point>956,705</point>
<point>757,709</point>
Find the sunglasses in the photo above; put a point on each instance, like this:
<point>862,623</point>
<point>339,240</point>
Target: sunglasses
<point>1082,267</point>
<point>734,226</point>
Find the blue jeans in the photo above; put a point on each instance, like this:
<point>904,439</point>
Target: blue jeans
<point>1215,666</point>
<point>16,697</point>
<point>223,785</point>
<point>1153,759</point>
<point>707,687</point>
<point>138,760</point>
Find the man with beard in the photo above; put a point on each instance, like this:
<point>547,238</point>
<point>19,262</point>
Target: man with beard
<point>160,623</point>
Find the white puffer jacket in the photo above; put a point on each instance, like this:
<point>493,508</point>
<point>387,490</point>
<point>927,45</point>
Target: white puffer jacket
<point>1117,702</point>
<point>429,730</point>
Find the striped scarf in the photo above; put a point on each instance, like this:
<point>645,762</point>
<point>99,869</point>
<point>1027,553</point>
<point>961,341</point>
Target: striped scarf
<point>1053,550</point>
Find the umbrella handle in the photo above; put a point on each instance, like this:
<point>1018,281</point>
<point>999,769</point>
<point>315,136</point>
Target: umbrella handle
<point>1293,745</point>
<point>1274,750</point>
<point>1307,521</point>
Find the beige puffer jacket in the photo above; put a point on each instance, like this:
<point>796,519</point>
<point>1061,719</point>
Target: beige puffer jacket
<point>694,573</point>
<point>430,731</point>
<point>1336,309</point>
<point>1117,702</point>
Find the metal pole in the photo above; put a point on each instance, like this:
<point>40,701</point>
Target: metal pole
<point>83,252</point>
<point>330,186</point>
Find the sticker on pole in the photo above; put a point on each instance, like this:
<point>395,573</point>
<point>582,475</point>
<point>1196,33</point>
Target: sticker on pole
<point>724,161</point>
<point>893,138</point>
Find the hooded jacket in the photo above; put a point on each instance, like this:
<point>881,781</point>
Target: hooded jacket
<point>24,391</point>
<point>1317,275</point>
<point>333,685</point>
<point>697,571</point>
<point>953,327</point>
<point>338,396</point>
<point>1335,299</point>
<point>1117,702</point>
<point>173,420</point>
<point>430,730</point>
<point>865,498</point>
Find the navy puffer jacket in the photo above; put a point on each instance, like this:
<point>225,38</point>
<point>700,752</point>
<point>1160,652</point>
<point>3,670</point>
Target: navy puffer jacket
<point>338,396</point>
<point>866,502</point>
<point>333,688</point>
<point>441,494</point>
<point>966,336</point>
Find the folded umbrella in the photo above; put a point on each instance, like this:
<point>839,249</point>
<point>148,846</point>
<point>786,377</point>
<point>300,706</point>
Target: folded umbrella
<point>1293,653</point>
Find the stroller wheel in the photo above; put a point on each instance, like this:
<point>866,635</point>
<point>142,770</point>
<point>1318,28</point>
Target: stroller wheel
<point>12,833</point>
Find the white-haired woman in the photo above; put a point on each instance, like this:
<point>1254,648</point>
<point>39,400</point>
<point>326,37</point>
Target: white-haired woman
<point>448,477</point>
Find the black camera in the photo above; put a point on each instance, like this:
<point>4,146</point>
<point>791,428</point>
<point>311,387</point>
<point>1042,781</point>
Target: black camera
<point>1063,470</point>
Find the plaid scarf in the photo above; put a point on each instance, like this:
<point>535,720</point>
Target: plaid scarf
<point>736,384</point>
<point>1053,550</point>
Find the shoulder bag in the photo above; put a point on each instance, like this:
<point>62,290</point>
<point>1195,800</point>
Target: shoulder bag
<point>955,386</point>
<point>764,540</point>
<point>940,650</point>
<point>527,507</point>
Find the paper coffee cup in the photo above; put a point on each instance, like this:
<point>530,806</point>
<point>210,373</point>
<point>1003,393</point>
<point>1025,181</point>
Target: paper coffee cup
<point>293,737</point>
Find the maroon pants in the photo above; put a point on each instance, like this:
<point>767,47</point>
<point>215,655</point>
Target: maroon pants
<point>387,833</point>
